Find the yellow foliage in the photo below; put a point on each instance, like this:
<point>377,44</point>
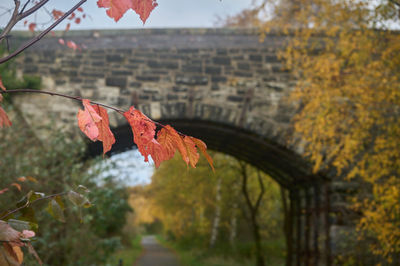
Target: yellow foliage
<point>348,67</point>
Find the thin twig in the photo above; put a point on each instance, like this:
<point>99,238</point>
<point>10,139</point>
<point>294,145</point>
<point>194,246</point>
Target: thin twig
<point>42,34</point>
<point>77,98</point>
<point>23,8</point>
<point>30,203</point>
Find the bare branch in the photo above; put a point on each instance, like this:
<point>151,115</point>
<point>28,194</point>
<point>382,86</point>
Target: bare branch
<point>11,23</point>
<point>32,9</point>
<point>41,35</point>
<point>23,8</point>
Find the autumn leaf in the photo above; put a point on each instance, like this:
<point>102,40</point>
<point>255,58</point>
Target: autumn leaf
<point>4,190</point>
<point>170,140</point>
<point>57,14</point>
<point>78,20</point>
<point>203,148</point>
<point>143,130</point>
<point>87,120</point>
<point>32,27</point>
<point>157,152</point>
<point>193,155</point>
<point>80,9</point>
<point>61,41</point>
<point>4,121</point>
<point>105,134</point>
<point>143,8</point>
<point>117,8</point>
<point>2,85</point>
<point>18,186</point>
<point>72,45</point>
<point>67,27</point>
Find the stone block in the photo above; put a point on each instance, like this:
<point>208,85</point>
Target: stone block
<point>222,60</point>
<point>146,78</point>
<point>116,81</point>
<point>191,80</point>
<point>115,58</point>
<point>214,70</point>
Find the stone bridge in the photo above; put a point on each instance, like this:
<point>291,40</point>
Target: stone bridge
<point>221,85</point>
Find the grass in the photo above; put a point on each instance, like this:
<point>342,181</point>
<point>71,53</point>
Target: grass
<point>224,256</point>
<point>128,255</point>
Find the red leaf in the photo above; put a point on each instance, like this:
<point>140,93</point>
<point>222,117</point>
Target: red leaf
<point>193,155</point>
<point>25,22</point>
<point>143,8</point>
<point>78,20</point>
<point>203,148</point>
<point>72,45</point>
<point>143,130</point>
<point>67,27</point>
<point>4,121</point>
<point>87,120</point>
<point>57,14</point>
<point>72,16</point>
<point>4,190</point>
<point>61,41</point>
<point>117,8</point>
<point>80,9</point>
<point>105,134</point>
<point>32,27</point>
<point>157,152</point>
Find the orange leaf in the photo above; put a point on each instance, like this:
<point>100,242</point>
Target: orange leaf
<point>4,121</point>
<point>4,190</point>
<point>143,130</point>
<point>80,9</point>
<point>87,120</point>
<point>21,179</point>
<point>57,14</point>
<point>67,27</point>
<point>18,186</point>
<point>78,20</point>
<point>193,155</point>
<point>105,134</point>
<point>157,152</point>
<point>61,41</point>
<point>2,85</point>
<point>203,148</point>
<point>32,27</point>
<point>171,140</point>
<point>32,179</point>
<point>25,22</point>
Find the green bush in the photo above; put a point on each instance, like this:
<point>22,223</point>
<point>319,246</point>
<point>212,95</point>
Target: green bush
<point>58,166</point>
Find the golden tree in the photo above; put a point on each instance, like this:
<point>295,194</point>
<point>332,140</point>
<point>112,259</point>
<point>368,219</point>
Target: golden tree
<point>347,63</point>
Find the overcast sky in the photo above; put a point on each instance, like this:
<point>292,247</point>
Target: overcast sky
<point>168,13</point>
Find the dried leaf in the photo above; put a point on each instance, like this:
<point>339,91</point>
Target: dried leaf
<point>193,155</point>
<point>87,120</point>
<point>143,130</point>
<point>203,148</point>
<point>105,134</point>
<point>32,27</point>
<point>117,8</point>
<point>2,85</point>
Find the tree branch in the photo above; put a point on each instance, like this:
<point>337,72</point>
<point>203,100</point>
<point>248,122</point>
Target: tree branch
<point>11,23</point>
<point>260,196</point>
<point>30,203</point>
<point>42,34</point>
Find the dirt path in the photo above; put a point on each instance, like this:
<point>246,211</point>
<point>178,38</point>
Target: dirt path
<point>155,255</point>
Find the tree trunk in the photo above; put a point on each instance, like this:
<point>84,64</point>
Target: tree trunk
<point>217,217</point>
<point>253,213</point>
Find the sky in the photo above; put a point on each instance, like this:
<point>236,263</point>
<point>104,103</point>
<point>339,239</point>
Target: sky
<point>168,13</point>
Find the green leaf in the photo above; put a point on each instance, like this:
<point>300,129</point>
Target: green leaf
<point>21,225</point>
<point>56,209</point>
<point>83,189</point>
<point>78,199</point>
